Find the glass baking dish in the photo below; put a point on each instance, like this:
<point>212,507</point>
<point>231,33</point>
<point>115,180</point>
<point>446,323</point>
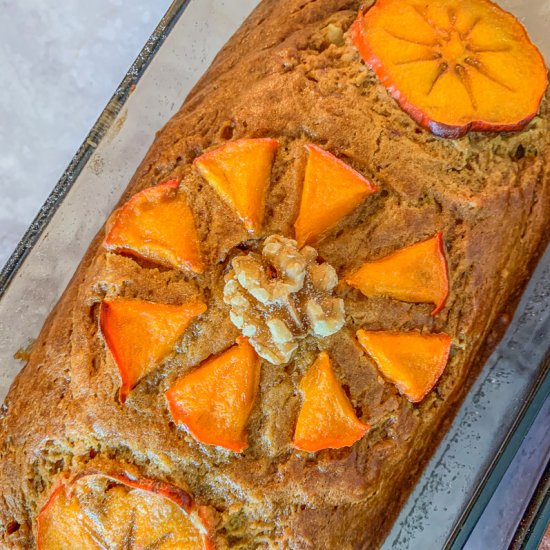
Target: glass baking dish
<point>508,393</point>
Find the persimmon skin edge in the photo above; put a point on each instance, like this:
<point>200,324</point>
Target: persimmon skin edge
<point>124,389</point>
<point>441,369</point>
<point>438,129</point>
<point>443,259</point>
<point>60,487</point>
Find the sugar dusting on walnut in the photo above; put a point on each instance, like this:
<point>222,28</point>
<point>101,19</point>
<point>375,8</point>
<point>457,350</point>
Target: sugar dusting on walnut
<point>282,295</point>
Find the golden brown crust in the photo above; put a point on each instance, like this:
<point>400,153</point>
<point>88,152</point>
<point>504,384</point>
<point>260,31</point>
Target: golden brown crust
<point>280,76</point>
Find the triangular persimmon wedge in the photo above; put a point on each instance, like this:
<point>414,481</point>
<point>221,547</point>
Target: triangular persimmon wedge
<point>327,419</point>
<point>331,190</point>
<point>157,224</point>
<point>215,400</point>
<point>453,65</point>
<point>416,273</point>
<point>106,511</point>
<point>139,334</point>
<point>410,360</point>
<point>240,172</point>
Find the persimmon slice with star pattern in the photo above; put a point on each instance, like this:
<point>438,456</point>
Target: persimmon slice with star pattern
<point>98,511</point>
<point>453,65</point>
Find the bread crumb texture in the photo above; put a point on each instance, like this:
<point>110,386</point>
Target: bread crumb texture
<point>290,73</point>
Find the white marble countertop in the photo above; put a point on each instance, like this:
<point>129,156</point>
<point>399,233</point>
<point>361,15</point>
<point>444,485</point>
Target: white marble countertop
<point>60,63</point>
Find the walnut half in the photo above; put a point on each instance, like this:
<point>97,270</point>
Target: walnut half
<point>282,295</point>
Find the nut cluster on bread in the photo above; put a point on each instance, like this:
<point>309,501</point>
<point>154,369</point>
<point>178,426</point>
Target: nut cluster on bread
<point>262,346</point>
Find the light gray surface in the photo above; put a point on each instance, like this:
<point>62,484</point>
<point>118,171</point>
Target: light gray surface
<point>443,490</point>
<point>188,50</point>
<point>60,62</point>
<point>501,518</point>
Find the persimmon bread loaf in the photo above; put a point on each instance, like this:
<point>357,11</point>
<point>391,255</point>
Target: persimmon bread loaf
<point>270,335</point>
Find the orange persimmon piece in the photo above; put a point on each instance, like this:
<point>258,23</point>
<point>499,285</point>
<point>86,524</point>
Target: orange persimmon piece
<point>104,511</point>
<point>240,172</point>
<point>60,524</point>
<point>410,360</point>
<point>327,419</point>
<point>331,190</point>
<point>416,273</point>
<point>139,334</point>
<point>215,400</point>
<point>157,224</point>
<point>453,65</point>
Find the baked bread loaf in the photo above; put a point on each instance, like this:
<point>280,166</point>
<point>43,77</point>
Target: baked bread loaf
<point>236,437</point>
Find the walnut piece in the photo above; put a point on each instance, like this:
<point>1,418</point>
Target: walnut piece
<point>335,34</point>
<point>280,296</point>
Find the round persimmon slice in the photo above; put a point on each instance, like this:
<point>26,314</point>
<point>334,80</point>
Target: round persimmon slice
<point>116,511</point>
<point>453,65</point>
